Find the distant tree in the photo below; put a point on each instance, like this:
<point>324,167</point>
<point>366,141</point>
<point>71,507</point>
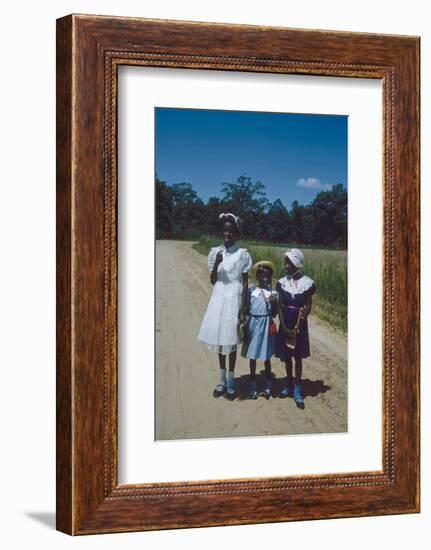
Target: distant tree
<point>188,211</point>
<point>278,222</point>
<point>183,193</point>
<point>308,224</point>
<point>340,218</point>
<point>181,214</point>
<point>330,216</point>
<point>297,216</point>
<point>163,210</point>
<point>247,199</point>
<point>213,208</point>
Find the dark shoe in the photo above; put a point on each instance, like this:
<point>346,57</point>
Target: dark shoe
<point>268,389</point>
<point>231,394</point>
<point>219,390</point>
<point>297,396</point>
<point>253,391</point>
<point>286,392</point>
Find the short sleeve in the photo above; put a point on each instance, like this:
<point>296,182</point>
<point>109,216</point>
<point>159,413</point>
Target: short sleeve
<point>310,291</point>
<point>211,258</point>
<point>279,297</point>
<point>248,299</point>
<point>246,261</point>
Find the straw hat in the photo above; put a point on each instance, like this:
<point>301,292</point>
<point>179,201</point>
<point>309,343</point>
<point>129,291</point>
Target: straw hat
<point>263,263</point>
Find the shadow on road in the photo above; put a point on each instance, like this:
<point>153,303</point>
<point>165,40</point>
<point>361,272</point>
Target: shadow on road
<point>310,388</point>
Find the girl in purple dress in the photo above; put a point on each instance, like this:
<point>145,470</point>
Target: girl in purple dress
<point>292,341</point>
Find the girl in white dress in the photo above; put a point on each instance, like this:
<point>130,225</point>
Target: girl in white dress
<point>229,266</point>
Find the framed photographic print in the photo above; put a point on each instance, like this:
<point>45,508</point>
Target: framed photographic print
<point>237,274</point>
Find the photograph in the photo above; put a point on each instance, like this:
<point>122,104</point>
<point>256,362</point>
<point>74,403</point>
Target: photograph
<point>237,290</point>
<point>251,216</point>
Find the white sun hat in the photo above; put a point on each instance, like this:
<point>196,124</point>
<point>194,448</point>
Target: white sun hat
<point>295,256</point>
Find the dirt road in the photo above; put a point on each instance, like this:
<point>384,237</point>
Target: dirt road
<point>186,372</point>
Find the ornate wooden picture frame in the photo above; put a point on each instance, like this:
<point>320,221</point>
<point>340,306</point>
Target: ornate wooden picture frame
<point>89,51</point>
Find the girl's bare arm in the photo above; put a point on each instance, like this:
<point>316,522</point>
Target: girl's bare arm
<point>274,304</point>
<point>307,306</point>
<point>281,318</point>
<point>218,261</point>
<point>244,297</point>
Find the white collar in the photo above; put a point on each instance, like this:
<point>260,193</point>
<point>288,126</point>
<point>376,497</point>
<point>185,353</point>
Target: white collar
<point>296,286</point>
<point>229,250</point>
<point>256,292</point>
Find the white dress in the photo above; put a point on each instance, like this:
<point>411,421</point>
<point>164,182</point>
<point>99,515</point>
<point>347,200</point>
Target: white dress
<point>219,325</point>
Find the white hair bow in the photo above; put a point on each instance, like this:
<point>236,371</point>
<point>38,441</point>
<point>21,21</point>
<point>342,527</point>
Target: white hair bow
<point>229,215</point>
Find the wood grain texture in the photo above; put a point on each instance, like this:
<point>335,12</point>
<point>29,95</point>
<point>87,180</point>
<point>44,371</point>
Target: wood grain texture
<point>90,49</point>
<point>64,497</point>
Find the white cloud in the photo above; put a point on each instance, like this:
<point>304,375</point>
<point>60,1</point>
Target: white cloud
<point>313,183</point>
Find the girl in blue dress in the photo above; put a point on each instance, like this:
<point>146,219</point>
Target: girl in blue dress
<point>292,342</point>
<point>259,343</point>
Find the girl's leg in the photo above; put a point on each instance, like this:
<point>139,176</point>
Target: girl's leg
<point>232,360</point>
<point>268,381</point>
<point>221,386</point>
<point>289,377</point>
<point>297,390</point>
<point>267,364</point>
<point>253,369</point>
<point>253,385</point>
<point>230,376</point>
<point>298,370</point>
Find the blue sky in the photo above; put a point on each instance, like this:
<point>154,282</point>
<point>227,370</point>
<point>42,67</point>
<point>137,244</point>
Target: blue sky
<point>296,156</point>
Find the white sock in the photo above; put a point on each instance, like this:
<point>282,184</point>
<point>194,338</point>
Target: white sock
<point>230,379</point>
<point>222,377</point>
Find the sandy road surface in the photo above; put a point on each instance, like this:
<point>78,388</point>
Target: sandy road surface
<point>186,372</point>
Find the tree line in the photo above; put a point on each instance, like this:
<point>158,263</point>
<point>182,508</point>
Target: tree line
<point>181,214</point>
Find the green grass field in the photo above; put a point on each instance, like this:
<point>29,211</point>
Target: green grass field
<point>328,268</point>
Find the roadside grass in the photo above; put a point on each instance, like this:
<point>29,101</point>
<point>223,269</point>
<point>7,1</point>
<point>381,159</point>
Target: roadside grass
<point>327,267</point>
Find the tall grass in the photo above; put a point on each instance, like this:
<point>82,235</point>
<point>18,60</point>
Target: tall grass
<point>328,268</point>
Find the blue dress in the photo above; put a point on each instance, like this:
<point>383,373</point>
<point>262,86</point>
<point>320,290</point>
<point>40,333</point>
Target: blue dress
<point>293,296</point>
<point>258,343</point>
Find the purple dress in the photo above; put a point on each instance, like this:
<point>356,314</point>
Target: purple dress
<point>293,295</point>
